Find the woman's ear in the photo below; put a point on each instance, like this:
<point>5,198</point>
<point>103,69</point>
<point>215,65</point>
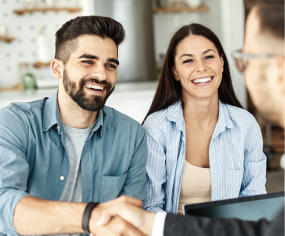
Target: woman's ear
<point>57,68</point>
<point>176,77</point>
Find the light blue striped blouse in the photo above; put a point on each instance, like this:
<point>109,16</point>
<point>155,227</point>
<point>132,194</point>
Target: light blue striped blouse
<point>237,162</point>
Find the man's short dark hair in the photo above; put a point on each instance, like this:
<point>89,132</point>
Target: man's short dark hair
<point>66,36</point>
<point>248,4</point>
<point>270,13</point>
<point>271,18</point>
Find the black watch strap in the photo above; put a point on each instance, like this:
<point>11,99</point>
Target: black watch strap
<point>86,215</point>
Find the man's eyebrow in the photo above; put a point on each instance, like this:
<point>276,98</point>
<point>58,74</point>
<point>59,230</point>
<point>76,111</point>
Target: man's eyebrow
<point>114,60</point>
<point>191,55</point>
<point>89,56</point>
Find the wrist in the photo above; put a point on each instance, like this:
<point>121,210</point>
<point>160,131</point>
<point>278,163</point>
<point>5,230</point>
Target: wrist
<point>87,214</point>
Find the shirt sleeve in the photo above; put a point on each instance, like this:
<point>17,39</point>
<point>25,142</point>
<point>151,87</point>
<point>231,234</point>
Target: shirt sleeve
<point>158,224</point>
<point>155,167</point>
<point>254,176</point>
<point>13,166</point>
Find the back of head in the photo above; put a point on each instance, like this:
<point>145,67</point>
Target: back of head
<point>95,25</point>
<point>249,4</point>
<point>271,18</point>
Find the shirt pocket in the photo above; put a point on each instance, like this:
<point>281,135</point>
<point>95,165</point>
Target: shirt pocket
<point>232,182</point>
<point>111,186</point>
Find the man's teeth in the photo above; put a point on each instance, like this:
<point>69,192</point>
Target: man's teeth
<point>202,80</point>
<point>91,86</point>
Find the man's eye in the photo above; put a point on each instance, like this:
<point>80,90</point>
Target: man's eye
<point>111,66</point>
<point>90,62</point>
<point>188,61</point>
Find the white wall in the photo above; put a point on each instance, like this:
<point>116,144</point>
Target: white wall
<point>233,28</point>
<point>26,29</point>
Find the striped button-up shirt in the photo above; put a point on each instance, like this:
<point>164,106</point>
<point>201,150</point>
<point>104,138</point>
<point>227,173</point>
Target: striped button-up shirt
<point>237,162</point>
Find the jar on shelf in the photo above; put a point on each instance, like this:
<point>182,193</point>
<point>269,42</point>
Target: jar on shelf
<point>193,3</point>
<point>27,77</point>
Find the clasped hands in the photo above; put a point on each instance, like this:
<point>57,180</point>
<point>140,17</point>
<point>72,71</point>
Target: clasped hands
<point>122,216</point>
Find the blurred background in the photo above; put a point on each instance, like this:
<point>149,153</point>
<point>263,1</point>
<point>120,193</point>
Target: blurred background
<point>27,29</point>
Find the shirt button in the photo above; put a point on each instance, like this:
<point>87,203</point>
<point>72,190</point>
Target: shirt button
<point>61,177</point>
<point>215,185</point>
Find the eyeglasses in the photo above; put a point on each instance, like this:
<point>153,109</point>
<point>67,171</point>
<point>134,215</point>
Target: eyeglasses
<point>241,59</point>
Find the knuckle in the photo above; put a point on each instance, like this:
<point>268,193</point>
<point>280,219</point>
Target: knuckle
<point>123,198</point>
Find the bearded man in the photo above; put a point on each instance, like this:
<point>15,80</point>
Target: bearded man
<point>61,151</point>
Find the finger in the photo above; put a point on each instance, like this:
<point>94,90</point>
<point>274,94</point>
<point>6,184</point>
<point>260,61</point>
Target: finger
<point>104,219</point>
<point>128,212</point>
<point>120,227</point>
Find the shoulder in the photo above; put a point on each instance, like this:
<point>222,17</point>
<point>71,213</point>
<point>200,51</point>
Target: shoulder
<point>21,110</point>
<point>240,116</point>
<point>164,124</point>
<point>156,119</point>
<point>118,119</point>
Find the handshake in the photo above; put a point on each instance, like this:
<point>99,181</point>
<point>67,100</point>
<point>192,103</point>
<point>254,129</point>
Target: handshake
<point>122,216</point>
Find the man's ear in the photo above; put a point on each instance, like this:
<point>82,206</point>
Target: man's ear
<point>57,68</point>
<point>281,72</point>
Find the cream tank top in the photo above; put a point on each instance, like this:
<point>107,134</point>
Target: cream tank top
<point>195,187</point>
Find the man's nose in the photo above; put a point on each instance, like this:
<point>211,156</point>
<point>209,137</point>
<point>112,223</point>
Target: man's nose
<point>100,71</point>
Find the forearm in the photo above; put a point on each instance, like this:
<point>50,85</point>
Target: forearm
<point>37,216</point>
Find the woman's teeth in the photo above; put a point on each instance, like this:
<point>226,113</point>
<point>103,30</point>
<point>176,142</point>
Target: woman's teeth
<point>202,80</point>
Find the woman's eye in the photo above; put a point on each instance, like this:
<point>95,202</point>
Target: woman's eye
<point>210,57</point>
<point>188,61</point>
<point>90,62</point>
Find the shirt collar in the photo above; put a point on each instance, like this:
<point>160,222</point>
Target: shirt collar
<point>50,112</point>
<point>51,116</point>
<point>224,120</point>
<point>175,114</point>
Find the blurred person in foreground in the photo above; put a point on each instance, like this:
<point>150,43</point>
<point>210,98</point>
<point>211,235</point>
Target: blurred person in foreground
<point>262,59</point>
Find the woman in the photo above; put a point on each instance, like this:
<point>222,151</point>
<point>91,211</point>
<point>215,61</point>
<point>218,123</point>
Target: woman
<point>202,145</point>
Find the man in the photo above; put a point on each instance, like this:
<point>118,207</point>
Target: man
<point>60,151</point>
<point>265,75</point>
<point>263,61</point>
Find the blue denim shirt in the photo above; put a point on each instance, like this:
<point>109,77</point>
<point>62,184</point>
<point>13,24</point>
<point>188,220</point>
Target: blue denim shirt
<point>33,160</point>
<point>237,162</point>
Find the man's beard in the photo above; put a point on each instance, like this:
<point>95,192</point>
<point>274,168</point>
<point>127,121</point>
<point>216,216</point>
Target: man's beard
<point>91,103</point>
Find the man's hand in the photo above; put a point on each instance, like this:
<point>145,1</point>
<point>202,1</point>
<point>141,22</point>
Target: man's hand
<point>116,225</point>
<point>127,208</point>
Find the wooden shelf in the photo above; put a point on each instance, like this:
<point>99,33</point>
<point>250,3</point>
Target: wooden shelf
<point>16,87</point>
<point>6,39</point>
<point>47,9</point>
<point>40,64</point>
<point>180,9</point>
